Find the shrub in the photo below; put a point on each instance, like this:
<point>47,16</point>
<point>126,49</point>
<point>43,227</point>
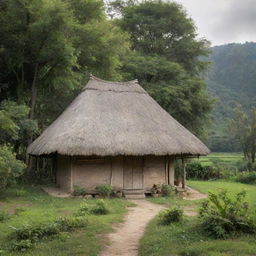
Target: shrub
<point>21,245</point>
<point>105,190</point>
<point>20,192</point>
<point>78,191</point>
<point>22,238</point>
<point>221,216</point>
<point>168,216</point>
<point>4,215</point>
<point>166,190</point>
<point>71,223</point>
<point>247,177</point>
<point>195,170</point>
<point>99,208</point>
<point>83,209</point>
<point>19,210</point>
<point>10,167</point>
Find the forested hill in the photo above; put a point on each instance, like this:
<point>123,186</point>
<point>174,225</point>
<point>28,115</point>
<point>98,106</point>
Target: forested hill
<point>232,81</point>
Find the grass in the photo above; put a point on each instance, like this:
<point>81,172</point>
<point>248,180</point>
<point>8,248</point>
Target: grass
<point>232,187</point>
<point>186,238</point>
<point>36,206</point>
<point>226,159</point>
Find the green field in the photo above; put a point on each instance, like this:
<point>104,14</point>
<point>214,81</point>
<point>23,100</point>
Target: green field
<point>38,207</point>
<point>228,159</point>
<point>186,238</point>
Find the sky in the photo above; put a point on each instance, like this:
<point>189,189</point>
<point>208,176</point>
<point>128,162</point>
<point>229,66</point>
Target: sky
<point>223,21</point>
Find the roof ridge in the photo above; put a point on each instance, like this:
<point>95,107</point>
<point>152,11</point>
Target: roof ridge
<point>92,77</point>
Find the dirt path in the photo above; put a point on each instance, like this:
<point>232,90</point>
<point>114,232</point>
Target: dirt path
<point>193,194</point>
<point>124,241</point>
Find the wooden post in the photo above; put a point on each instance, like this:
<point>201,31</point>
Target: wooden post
<point>184,174</point>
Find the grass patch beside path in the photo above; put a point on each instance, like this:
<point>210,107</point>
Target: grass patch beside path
<point>37,207</point>
<point>232,187</point>
<point>186,238</point>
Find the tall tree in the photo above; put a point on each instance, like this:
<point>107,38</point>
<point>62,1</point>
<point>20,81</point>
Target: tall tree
<point>167,59</point>
<point>243,129</point>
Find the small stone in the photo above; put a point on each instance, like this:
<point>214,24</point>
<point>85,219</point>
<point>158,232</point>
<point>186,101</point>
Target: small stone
<point>88,196</point>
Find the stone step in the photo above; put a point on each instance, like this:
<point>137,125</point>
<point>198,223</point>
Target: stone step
<point>133,191</point>
<point>135,196</point>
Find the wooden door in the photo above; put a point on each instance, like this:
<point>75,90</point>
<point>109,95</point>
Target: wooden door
<point>133,172</point>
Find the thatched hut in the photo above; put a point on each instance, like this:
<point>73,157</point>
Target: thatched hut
<point>115,133</point>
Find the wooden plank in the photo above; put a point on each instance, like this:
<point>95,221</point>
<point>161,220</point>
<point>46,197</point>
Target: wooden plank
<point>137,173</point>
<point>127,173</point>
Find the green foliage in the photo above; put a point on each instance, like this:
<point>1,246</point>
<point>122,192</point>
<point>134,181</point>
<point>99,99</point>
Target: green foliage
<point>230,90</point>
<point>243,129</point>
<point>246,177</point>
<point>79,191</point>
<point>168,216</point>
<point>100,208</point>
<point>10,167</point>
<point>24,237</point>
<point>221,216</point>
<point>4,215</point>
<point>46,55</point>
<point>105,190</point>
<point>195,170</point>
<point>20,192</point>
<point>84,209</point>
<point>165,59</point>
<point>166,190</point>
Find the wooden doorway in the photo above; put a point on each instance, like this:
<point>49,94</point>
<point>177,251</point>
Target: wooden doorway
<point>133,172</point>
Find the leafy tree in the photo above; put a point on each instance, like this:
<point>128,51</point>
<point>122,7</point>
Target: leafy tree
<point>10,167</point>
<point>166,59</point>
<point>243,129</point>
<point>15,125</point>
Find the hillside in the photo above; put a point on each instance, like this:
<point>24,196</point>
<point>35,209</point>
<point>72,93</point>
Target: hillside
<point>231,81</point>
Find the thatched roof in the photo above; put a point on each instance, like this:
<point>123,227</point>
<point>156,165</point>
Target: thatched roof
<point>116,118</point>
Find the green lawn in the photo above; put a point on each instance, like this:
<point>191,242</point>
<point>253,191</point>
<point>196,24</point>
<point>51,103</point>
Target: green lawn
<point>226,159</point>
<point>232,187</point>
<point>186,239</point>
<point>39,207</point>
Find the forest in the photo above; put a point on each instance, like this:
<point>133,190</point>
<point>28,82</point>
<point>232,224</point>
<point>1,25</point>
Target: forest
<point>231,82</point>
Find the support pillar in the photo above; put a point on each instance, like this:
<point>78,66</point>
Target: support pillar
<point>183,174</point>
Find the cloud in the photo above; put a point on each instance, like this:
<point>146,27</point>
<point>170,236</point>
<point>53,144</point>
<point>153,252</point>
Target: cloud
<point>223,21</point>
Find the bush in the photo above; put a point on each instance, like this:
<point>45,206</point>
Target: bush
<point>166,190</point>
<point>4,215</point>
<point>71,223</point>
<point>83,209</point>
<point>221,216</point>
<point>99,208</point>
<point>168,216</point>
<point>105,190</point>
<point>247,177</point>
<point>10,167</point>
<point>195,170</point>
<point>21,245</point>
<point>23,238</point>
<point>20,192</point>
<point>78,191</point>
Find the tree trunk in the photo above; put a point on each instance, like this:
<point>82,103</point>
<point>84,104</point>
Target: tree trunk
<point>33,94</point>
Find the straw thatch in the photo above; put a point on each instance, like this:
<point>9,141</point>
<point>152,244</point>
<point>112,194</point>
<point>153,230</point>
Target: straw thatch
<point>116,118</point>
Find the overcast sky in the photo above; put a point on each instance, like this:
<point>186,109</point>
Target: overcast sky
<point>223,21</point>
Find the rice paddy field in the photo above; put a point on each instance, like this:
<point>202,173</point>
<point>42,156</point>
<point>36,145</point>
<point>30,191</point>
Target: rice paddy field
<point>228,159</point>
